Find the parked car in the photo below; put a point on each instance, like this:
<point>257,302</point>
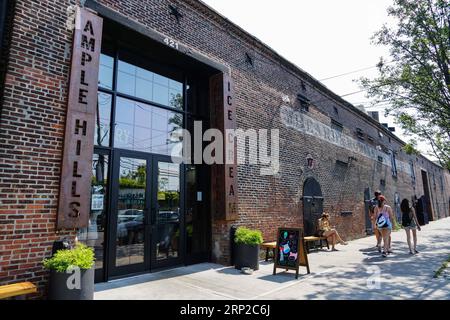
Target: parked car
<point>130,226</point>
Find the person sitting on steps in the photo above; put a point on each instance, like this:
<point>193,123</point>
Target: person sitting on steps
<point>326,231</point>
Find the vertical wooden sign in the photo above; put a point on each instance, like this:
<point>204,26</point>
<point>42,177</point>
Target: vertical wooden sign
<point>74,194</point>
<point>224,184</point>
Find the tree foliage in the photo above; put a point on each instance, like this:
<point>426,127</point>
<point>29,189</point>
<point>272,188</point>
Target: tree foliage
<point>417,82</point>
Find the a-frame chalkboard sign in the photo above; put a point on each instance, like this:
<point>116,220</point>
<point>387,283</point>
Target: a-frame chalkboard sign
<point>290,250</point>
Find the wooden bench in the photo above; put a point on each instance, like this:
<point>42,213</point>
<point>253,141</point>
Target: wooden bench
<point>273,244</point>
<point>310,239</point>
<point>17,289</point>
<point>269,245</point>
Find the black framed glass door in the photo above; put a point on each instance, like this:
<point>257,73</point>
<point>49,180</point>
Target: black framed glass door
<point>129,224</point>
<point>155,213</point>
<point>167,218</point>
<point>147,224</point>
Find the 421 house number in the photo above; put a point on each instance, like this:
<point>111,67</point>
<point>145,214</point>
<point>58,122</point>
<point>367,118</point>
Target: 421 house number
<point>171,43</point>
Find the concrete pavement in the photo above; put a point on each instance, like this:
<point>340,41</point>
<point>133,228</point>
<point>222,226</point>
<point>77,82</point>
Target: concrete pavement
<point>356,271</point>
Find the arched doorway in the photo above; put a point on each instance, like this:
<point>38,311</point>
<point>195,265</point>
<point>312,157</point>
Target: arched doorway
<point>312,205</point>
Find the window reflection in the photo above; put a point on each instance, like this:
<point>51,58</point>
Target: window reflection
<point>130,212</point>
<point>168,213</point>
<point>103,120</point>
<point>105,76</point>
<point>144,84</point>
<point>93,236</point>
<point>142,127</point>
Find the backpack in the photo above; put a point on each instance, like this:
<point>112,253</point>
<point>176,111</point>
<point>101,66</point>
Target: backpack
<point>382,221</point>
<point>406,218</point>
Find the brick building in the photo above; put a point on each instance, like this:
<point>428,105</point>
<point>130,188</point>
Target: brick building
<point>163,65</point>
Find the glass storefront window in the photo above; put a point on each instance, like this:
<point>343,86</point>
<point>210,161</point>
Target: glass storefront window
<point>105,76</point>
<point>103,120</point>
<point>130,212</point>
<point>141,107</point>
<point>168,213</point>
<point>142,127</point>
<point>141,83</point>
<point>94,235</point>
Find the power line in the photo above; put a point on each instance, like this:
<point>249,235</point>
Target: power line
<point>352,93</point>
<point>355,71</point>
<point>368,101</point>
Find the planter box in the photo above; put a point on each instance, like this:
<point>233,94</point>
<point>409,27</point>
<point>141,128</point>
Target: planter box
<point>246,256</point>
<point>59,290</point>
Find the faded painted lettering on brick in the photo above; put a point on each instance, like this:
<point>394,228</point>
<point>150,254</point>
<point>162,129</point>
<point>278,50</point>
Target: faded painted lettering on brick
<point>305,124</point>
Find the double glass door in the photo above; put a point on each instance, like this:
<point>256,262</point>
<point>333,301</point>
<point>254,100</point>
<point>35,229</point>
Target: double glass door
<point>147,224</point>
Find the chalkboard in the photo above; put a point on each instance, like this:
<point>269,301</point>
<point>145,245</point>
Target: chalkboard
<point>290,250</point>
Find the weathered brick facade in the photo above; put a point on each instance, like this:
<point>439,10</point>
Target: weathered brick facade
<point>33,120</point>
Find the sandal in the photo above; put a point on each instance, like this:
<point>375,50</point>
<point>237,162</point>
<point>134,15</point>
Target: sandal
<point>384,254</point>
<point>415,251</point>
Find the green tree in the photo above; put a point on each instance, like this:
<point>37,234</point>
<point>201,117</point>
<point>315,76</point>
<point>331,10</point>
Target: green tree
<point>417,83</point>
<point>140,174</point>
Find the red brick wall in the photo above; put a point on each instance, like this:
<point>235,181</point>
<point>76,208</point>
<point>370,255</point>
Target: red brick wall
<point>31,138</point>
<point>268,202</point>
<point>6,27</point>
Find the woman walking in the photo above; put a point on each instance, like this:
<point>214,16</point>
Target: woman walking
<point>410,223</point>
<point>385,216</point>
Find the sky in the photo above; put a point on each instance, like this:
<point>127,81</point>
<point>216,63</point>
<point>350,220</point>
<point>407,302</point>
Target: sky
<point>323,37</point>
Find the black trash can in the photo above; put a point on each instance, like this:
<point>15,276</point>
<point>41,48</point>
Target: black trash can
<point>246,256</point>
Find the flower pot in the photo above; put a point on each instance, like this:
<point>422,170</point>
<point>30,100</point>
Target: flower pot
<point>246,256</point>
<point>70,286</point>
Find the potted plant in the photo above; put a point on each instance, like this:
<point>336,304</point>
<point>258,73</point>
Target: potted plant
<point>71,274</point>
<point>247,244</point>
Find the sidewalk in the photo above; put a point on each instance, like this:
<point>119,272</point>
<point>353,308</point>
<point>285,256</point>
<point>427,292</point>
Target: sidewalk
<point>350,273</point>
